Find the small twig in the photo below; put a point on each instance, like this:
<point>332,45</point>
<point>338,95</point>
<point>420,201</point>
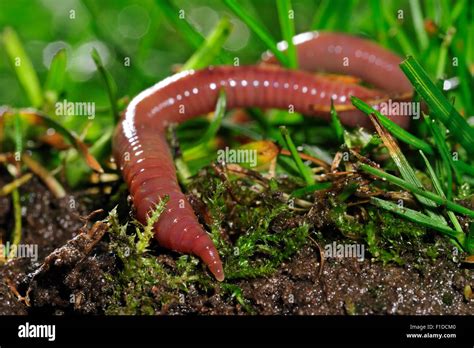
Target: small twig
<point>10,187</point>
<point>336,161</point>
<point>306,158</point>
<point>321,256</point>
<point>272,169</point>
<point>221,172</point>
<point>16,236</point>
<point>299,201</point>
<point>50,181</point>
<point>246,172</point>
<point>89,217</point>
<point>13,289</point>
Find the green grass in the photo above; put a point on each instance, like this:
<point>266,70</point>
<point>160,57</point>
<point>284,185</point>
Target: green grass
<point>22,66</point>
<point>336,124</point>
<point>182,26</point>
<point>211,48</point>
<point>110,83</point>
<point>440,191</point>
<point>303,169</point>
<point>200,146</point>
<point>441,108</point>
<point>405,168</point>
<point>55,80</point>
<point>418,23</point>
<point>301,192</point>
<point>419,218</point>
<point>417,190</point>
<point>397,131</point>
<point>259,30</point>
<point>286,17</point>
<point>445,153</point>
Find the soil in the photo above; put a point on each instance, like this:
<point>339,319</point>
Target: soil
<point>74,260</point>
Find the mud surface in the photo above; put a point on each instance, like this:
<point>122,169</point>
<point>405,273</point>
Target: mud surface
<point>74,261</point>
<point>347,286</point>
<point>46,222</point>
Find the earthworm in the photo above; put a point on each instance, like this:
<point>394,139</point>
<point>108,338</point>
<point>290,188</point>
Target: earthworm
<point>143,155</point>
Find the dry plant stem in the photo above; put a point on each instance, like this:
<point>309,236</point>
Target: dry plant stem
<point>50,181</point>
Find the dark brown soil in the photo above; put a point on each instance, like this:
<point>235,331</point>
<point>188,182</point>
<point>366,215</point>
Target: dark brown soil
<point>347,286</point>
<point>47,222</point>
<point>344,286</point>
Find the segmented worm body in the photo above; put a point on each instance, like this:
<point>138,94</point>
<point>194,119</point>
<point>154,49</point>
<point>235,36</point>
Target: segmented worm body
<point>140,146</point>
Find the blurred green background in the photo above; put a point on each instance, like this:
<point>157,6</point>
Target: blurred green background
<point>120,29</point>
<point>139,30</point>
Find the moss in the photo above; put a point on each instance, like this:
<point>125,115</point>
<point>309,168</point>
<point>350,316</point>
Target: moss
<point>263,244</point>
<point>448,299</point>
<point>388,238</point>
<point>143,285</point>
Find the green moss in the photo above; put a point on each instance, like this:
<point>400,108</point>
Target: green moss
<point>143,285</point>
<point>263,244</point>
<point>448,299</point>
<point>388,238</point>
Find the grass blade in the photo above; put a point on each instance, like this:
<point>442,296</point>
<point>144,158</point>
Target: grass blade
<point>211,48</point>
<point>12,186</point>
<point>305,172</point>
<point>465,77</point>
<point>259,30</point>
<point>450,205</point>
<point>405,136</point>
<point>262,121</point>
<point>200,147</point>
<point>397,131</point>
<point>403,166</point>
<point>336,124</point>
<point>443,150</point>
<point>286,17</point>
<point>343,19</point>
<point>301,192</point>
<point>322,15</point>
<point>318,152</point>
<point>188,33</point>
<point>443,53</point>
<point>109,82</point>
<point>418,217</point>
<point>186,30</point>
<point>438,104</point>
<point>15,238</point>
<point>24,70</point>
<point>418,23</point>
<point>439,190</point>
<point>76,170</point>
<point>470,240</point>
<point>463,167</point>
<point>242,130</point>
<point>401,37</point>
<point>379,24</point>
<point>218,116</point>
<point>68,135</point>
<point>56,75</point>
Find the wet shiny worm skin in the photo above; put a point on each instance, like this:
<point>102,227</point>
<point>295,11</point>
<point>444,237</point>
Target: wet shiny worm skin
<point>140,146</point>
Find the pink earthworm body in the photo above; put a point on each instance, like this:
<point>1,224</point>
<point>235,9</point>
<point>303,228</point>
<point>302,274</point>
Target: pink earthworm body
<point>140,146</point>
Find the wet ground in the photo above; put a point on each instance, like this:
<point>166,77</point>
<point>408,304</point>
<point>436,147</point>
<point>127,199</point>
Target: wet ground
<point>70,275</point>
